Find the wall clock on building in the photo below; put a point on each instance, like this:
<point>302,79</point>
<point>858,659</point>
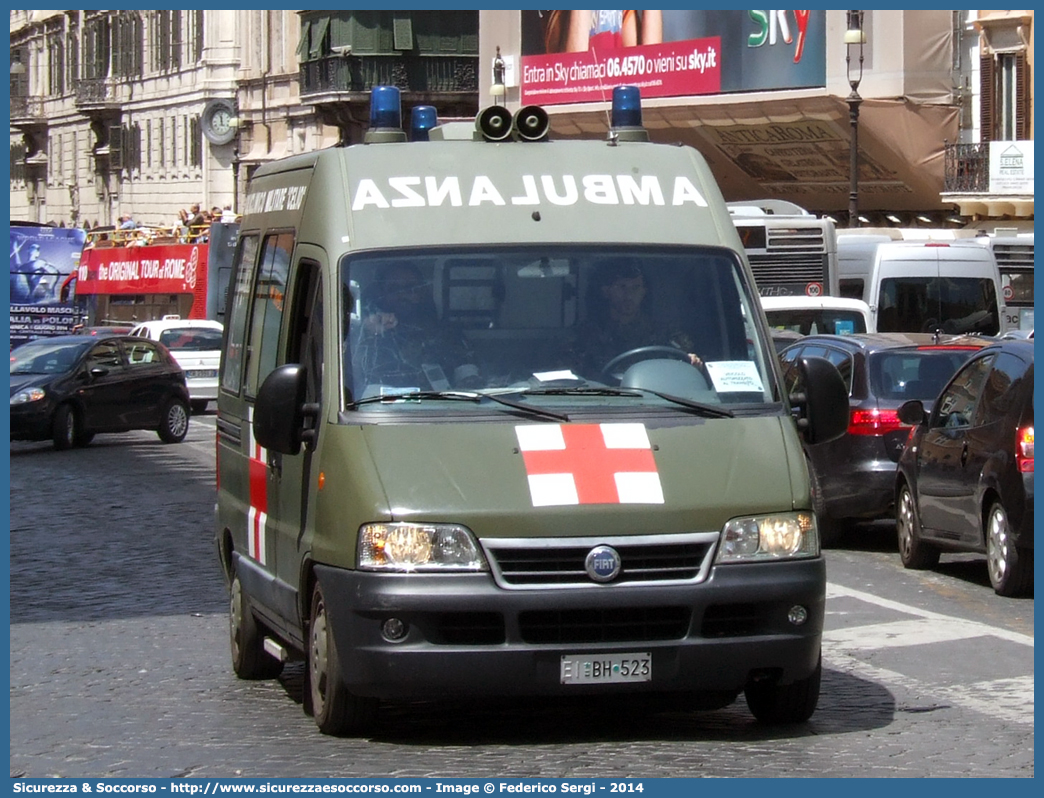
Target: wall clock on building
<point>217,121</point>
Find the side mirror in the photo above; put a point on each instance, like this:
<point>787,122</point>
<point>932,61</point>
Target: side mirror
<point>279,412</point>
<point>97,371</point>
<point>824,404</point>
<point>912,412</point>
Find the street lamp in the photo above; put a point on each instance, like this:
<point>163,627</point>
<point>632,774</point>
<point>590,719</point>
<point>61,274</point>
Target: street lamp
<point>855,36</point>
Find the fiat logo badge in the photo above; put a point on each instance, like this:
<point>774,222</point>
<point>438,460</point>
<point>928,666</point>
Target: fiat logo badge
<point>603,563</point>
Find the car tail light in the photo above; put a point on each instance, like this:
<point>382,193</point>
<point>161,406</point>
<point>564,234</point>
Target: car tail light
<point>874,422</point>
<point>1024,449</point>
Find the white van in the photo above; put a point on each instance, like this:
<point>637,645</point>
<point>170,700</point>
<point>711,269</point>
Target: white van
<point>922,286</point>
<point>809,315</point>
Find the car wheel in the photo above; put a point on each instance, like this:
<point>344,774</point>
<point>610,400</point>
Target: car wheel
<point>249,659</point>
<point>771,702</point>
<point>65,428</point>
<point>335,710</point>
<point>913,551</point>
<point>830,529</point>
<point>174,422</point>
<point>200,405</point>
<point>1011,568</point>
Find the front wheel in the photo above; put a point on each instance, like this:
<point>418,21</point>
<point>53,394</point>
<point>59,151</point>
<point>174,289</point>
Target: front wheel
<point>771,702</point>
<point>1011,568</point>
<point>914,552</point>
<point>335,710</point>
<point>174,422</point>
<point>249,659</point>
<point>65,429</point>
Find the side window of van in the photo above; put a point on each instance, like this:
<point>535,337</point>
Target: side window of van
<point>851,289</point>
<point>232,362</point>
<point>266,317</point>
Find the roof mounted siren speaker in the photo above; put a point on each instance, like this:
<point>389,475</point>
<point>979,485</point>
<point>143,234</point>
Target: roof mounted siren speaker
<point>494,123</point>
<point>531,123</point>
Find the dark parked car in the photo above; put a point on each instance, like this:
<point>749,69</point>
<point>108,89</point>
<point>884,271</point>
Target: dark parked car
<point>70,387</point>
<point>965,480</point>
<point>853,477</point>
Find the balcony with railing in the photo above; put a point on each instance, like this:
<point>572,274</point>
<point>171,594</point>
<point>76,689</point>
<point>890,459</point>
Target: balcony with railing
<point>27,110</point>
<point>96,94</point>
<point>967,169</point>
<point>325,78</point>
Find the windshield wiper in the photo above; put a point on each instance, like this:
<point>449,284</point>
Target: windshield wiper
<point>458,396</point>
<point>708,410</point>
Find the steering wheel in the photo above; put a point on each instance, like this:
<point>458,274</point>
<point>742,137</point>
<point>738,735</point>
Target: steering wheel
<point>643,353</point>
<point>930,325</point>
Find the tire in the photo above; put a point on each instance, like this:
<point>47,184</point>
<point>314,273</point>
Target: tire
<point>771,702</point>
<point>1011,568</point>
<point>174,422</point>
<point>335,710</point>
<point>914,552</point>
<point>65,429</point>
<point>199,406</point>
<point>249,658</point>
<point>830,529</point>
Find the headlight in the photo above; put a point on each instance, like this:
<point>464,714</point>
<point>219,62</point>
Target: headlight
<point>769,537</point>
<point>418,547</point>
<point>30,395</point>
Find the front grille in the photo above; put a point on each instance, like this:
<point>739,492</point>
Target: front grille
<point>735,620</point>
<point>1014,256</point>
<point>469,629</point>
<point>787,267</point>
<point>549,563</point>
<point>632,625</point>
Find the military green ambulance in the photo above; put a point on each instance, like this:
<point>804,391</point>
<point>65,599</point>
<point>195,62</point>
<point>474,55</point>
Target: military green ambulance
<point>499,416</point>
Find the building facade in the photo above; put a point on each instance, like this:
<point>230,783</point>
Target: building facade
<point>147,112</point>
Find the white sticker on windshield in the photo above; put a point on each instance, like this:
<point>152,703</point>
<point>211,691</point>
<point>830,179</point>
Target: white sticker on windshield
<point>551,376</point>
<point>731,376</point>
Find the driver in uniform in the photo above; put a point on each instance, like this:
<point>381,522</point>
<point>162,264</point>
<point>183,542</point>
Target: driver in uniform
<point>620,321</point>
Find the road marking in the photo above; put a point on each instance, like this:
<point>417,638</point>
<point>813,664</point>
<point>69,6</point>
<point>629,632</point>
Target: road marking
<point>894,634</point>
<point>958,627</point>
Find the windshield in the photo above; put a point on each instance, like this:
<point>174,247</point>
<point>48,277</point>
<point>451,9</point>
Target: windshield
<point>191,339</point>
<point>43,357</point>
<point>925,304</point>
<point>810,321</point>
<point>903,374</point>
<point>552,326</point>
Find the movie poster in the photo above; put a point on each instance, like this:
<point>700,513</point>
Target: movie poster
<point>44,261</point>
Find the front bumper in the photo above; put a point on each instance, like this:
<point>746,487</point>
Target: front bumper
<point>468,637</point>
<point>32,421</point>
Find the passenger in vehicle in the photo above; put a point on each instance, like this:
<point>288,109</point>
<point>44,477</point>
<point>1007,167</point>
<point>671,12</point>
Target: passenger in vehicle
<point>619,320</point>
<point>402,342</point>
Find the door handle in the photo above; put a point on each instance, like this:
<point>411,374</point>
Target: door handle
<point>275,463</point>
<point>964,454</point>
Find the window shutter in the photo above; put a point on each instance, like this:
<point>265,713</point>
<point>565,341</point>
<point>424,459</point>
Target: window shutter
<point>988,90</point>
<point>1023,102</point>
<point>115,148</point>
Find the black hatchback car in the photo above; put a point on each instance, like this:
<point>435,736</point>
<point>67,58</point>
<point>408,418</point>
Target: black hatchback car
<point>965,479</point>
<point>69,387</point>
<point>853,477</point>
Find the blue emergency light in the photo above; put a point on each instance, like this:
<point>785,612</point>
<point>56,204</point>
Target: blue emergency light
<point>385,108</point>
<point>627,106</point>
<point>422,119</point>
<point>626,117</point>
